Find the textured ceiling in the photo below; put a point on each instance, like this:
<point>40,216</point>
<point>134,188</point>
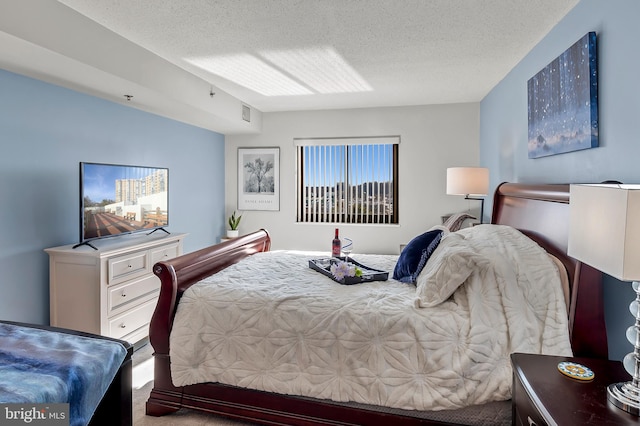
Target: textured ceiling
<point>336,53</point>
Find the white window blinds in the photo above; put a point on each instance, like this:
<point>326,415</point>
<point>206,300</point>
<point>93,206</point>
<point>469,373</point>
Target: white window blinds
<point>347,180</point>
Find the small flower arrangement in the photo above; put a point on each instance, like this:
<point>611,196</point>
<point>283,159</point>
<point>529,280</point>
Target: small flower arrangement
<point>341,269</point>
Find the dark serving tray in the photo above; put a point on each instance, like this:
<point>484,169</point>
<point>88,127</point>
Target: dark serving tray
<point>368,274</point>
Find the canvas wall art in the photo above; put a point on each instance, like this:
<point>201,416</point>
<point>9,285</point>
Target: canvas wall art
<point>563,102</point>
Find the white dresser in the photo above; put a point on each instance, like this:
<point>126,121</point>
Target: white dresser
<point>112,290</point>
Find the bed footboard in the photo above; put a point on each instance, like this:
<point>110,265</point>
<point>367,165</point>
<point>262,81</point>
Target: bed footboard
<point>176,276</point>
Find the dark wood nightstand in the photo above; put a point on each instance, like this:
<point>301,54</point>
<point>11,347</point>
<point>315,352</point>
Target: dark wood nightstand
<point>544,396</point>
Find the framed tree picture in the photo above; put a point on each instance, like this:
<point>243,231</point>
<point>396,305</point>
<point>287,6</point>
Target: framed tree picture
<point>258,178</point>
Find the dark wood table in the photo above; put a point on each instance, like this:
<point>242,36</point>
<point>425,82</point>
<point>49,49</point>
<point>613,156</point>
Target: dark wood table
<point>542,395</point>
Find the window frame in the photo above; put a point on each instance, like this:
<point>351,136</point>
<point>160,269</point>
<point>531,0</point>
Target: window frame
<point>352,216</point>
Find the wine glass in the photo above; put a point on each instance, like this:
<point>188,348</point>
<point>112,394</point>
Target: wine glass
<point>347,247</point>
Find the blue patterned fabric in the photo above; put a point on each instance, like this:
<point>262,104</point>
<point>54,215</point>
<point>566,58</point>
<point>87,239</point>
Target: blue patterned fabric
<point>41,366</point>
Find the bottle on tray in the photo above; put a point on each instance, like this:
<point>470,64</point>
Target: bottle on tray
<point>335,245</point>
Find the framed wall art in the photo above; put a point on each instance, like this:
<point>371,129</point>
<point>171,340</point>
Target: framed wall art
<point>563,102</point>
<point>258,178</point>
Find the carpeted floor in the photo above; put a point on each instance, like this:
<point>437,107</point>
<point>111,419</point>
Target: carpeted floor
<point>142,384</point>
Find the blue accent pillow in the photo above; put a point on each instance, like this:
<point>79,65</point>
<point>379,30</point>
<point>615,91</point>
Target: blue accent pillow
<point>415,255</point>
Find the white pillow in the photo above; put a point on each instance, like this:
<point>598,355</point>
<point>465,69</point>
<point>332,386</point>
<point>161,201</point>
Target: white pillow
<point>455,221</point>
<point>451,263</point>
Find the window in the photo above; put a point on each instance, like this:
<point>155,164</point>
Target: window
<point>347,180</point>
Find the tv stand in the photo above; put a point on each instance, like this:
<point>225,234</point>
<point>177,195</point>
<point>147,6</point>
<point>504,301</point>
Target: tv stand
<point>112,290</point>
<point>159,229</point>
<point>85,243</point>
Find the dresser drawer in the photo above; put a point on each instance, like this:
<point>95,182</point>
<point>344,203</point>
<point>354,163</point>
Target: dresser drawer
<point>120,297</point>
<point>140,316</point>
<point>126,267</point>
<point>526,413</point>
<point>164,253</point>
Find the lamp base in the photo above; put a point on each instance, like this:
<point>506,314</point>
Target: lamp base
<point>625,396</point>
<point>466,197</point>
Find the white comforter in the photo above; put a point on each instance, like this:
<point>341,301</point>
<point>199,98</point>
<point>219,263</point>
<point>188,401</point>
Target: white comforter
<point>271,323</point>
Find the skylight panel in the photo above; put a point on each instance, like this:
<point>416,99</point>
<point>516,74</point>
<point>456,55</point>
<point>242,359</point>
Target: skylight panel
<point>321,68</point>
<point>248,71</point>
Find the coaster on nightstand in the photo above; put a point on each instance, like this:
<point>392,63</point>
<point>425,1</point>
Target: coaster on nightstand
<point>576,371</point>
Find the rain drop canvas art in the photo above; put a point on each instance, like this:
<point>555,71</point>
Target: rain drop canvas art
<point>563,102</point>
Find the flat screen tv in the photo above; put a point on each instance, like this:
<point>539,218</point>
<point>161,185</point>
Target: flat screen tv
<point>119,199</point>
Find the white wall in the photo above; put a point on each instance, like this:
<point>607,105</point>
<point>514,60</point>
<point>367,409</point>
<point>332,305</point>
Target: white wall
<point>432,139</point>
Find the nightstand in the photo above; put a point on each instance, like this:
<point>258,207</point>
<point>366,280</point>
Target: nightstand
<point>544,396</point>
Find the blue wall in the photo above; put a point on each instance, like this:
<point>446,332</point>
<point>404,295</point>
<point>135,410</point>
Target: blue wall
<point>503,124</point>
<point>45,132</point>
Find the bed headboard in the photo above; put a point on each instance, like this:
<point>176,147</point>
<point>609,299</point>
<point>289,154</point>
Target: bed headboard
<point>542,213</point>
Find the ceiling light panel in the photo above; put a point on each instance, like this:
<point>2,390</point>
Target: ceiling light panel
<point>321,68</point>
<point>248,71</point>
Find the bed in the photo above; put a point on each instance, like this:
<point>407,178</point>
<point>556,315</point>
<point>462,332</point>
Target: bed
<point>538,211</point>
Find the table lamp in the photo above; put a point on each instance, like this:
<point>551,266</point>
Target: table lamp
<point>469,181</point>
<point>604,232</point>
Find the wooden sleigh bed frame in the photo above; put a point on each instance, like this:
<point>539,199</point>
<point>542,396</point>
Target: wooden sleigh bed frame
<point>539,211</point>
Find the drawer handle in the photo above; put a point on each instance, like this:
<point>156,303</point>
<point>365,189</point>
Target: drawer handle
<point>530,421</point>
<point>124,295</point>
<point>129,266</point>
<point>123,326</point>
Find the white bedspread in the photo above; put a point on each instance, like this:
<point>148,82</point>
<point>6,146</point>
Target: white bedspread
<point>271,323</point>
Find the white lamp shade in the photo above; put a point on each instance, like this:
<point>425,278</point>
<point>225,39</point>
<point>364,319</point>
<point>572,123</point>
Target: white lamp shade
<point>467,181</point>
<point>604,228</point>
